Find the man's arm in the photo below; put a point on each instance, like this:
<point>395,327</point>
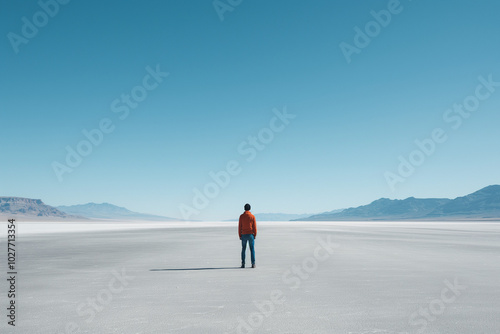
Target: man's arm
<point>239,228</point>
<point>255,228</point>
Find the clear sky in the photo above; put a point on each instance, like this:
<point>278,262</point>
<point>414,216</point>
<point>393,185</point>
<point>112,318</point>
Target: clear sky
<point>74,69</point>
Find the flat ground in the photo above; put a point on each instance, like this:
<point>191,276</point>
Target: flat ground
<point>369,278</point>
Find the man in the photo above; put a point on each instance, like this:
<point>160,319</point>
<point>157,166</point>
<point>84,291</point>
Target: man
<point>247,229</point>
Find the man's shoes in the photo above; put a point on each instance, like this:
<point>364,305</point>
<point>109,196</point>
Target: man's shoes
<point>253,265</point>
<point>242,265</point>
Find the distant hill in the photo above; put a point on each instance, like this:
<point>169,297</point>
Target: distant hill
<point>482,204</point>
<point>328,213</point>
<point>29,209</point>
<point>109,211</point>
<point>279,216</point>
<point>385,209</point>
<point>21,207</point>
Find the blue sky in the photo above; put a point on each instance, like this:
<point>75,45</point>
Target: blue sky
<point>352,120</point>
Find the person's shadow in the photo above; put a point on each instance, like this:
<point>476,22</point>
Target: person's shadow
<point>184,269</point>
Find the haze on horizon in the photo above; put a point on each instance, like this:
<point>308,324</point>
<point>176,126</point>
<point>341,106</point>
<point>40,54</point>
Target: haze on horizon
<point>292,107</point>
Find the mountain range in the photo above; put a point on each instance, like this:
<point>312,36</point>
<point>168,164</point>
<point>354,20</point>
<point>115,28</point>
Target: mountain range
<point>34,209</point>
<point>28,209</point>
<point>108,211</point>
<point>483,204</point>
<point>278,216</point>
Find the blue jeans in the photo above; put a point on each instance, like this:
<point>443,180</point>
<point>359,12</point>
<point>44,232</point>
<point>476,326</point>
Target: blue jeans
<point>250,239</point>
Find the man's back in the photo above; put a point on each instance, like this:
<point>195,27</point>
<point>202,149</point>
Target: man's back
<point>247,224</point>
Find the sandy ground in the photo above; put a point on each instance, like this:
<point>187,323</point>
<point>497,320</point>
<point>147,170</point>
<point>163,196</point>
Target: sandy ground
<point>351,277</point>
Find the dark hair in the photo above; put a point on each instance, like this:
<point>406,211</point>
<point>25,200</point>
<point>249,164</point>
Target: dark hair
<point>247,207</point>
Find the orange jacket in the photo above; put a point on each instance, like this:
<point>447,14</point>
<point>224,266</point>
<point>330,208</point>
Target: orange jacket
<point>247,224</point>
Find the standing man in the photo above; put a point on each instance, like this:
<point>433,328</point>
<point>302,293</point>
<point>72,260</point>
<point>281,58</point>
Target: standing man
<point>247,229</point>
